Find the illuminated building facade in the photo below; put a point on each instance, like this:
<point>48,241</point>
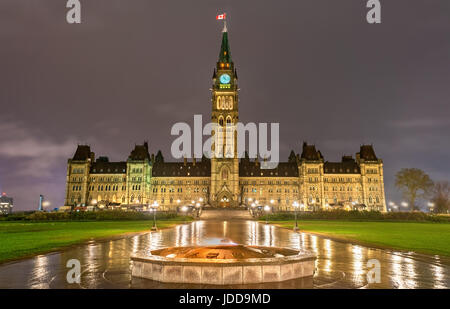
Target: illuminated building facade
<point>226,181</point>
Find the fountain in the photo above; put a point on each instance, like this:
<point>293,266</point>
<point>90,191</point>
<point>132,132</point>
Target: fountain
<point>223,264</point>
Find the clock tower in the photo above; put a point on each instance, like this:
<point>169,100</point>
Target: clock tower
<point>224,161</point>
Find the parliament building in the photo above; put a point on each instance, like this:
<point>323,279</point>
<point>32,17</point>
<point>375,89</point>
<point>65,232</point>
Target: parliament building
<point>305,179</point>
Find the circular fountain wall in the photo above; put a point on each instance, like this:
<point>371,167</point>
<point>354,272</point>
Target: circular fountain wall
<point>223,264</point>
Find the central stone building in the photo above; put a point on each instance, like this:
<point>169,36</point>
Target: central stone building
<point>224,180</point>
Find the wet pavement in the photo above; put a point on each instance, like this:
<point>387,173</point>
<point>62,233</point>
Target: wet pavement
<point>106,264</point>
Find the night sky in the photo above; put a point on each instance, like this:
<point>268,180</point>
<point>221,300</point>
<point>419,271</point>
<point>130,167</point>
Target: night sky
<point>134,68</point>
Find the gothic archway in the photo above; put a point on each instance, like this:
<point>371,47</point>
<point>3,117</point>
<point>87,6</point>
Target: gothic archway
<point>224,199</point>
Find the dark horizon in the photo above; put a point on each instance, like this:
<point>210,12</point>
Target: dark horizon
<point>130,71</point>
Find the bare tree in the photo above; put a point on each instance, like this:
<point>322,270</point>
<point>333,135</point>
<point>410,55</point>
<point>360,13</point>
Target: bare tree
<point>441,197</point>
<point>414,183</point>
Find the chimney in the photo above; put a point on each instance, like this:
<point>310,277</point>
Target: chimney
<point>193,161</point>
<point>185,161</point>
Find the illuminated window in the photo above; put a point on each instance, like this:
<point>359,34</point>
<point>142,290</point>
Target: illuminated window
<point>224,174</point>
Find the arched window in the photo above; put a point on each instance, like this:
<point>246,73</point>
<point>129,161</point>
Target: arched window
<point>228,120</point>
<point>224,174</point>
<point>221,121</point>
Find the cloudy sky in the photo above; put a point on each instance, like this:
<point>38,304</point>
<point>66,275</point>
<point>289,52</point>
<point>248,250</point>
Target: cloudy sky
<point>134,68</point>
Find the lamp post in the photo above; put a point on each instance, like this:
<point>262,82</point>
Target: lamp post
<point>267,209</point>
<point>154,206</point>
<point>184,209</point>
<point>391,204</point>
<point>272,202</point>
<point>45,204</point>
<point>404,204</point>
<point>253,205</point>
<point>295,204</point>
<point>197,207</point>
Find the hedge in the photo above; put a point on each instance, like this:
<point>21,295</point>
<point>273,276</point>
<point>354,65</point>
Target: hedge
<point>357,215</point>
<point>105,215</point>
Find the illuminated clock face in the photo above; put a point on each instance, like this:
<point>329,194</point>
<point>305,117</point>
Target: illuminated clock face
<point>225,79</point>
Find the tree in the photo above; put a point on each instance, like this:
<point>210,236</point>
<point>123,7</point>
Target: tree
<point>441,197</point>
<point>414,184</point>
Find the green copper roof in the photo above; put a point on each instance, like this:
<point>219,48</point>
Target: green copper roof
<point>225,54</point>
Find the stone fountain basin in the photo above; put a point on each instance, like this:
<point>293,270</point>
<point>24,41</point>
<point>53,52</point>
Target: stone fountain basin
<point>223,265</point>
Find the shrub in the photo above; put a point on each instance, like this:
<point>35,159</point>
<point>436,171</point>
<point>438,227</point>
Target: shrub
<point>106,215</point>
<point>357,216</point>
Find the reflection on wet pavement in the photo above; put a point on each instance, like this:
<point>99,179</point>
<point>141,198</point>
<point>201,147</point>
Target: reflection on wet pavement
<point>339,265</point>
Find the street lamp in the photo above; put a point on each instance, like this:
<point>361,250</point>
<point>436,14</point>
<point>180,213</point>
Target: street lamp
<point>295,204</point>
<point>431,206</point>
<point>45,204</point>
<point>184,209</point>
<point>404,204</point>
<point>197,206</point>
<point>392,206</point>
<point>252,209</point>
<point>153,207</point>
<point>267,209</point>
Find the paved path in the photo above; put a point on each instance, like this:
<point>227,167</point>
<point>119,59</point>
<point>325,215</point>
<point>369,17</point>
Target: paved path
<point>225,214</point>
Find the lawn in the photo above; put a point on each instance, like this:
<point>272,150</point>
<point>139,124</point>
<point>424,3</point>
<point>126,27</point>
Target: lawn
<point>22,239</point>
<point>428,238</point>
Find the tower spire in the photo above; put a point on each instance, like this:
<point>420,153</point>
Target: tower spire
<point>225,54</point>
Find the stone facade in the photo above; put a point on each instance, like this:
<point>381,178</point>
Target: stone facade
<point>223,272</point>
<point>224,180</point>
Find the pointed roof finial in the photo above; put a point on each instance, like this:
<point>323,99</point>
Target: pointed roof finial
<point>225,26</point>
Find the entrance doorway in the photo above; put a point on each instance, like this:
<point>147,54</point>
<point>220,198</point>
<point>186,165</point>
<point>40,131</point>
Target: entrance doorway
<point>224,202</point>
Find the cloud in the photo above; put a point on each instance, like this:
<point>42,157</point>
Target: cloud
<point>421,123</point>
<point>33,153</point>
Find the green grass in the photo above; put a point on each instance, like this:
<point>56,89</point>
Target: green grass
<point>428,238</point>
<point>22,239</point>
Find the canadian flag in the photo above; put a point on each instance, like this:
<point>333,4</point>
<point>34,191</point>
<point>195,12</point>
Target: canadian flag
<point>221,16</point>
